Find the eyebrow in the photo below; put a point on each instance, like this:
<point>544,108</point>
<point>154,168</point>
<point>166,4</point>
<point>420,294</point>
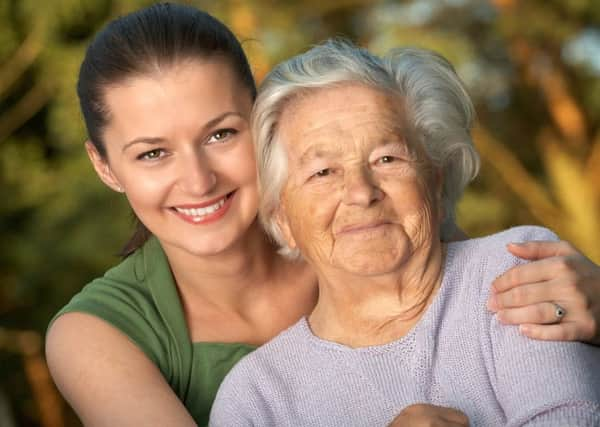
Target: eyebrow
<point>401,145</point>
<point>313,153</point>
<point>158,140</point>
<point>322,151</point>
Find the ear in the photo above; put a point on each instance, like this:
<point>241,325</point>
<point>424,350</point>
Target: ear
<point>284,227</point>
<point>102,167</point>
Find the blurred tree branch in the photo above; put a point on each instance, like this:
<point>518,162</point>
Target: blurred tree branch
<point>592,167</point>
<point>25,108</point>
<point>23,57</point>
<point>520,181</point>
<point>540,70</point>
<point>29,345</point>
<point>571,159</point>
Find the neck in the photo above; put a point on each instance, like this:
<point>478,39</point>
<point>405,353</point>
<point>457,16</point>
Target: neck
<point>224,279</point>
<point>371,310</point>
<point>246,294</point>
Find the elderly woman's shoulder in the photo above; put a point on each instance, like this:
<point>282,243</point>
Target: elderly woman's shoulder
<point>489,255</point>
<point>518,234</point>
<point>473,264</point>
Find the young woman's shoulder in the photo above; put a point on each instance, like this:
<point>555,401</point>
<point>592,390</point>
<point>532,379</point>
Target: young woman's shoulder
<point>137,300</point>
<point>112,339</point>
<point>124,298</point>
<point>106,377</point>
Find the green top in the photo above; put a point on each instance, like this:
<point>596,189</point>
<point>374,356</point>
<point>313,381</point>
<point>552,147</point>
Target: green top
<point>139,297</point>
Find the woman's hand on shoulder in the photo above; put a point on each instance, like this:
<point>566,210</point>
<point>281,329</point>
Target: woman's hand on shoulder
<point>106,378</point>
<point>532,295</point>
<point>426,415</point>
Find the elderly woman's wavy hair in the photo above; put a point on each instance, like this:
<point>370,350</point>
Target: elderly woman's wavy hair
<point>438,108</point>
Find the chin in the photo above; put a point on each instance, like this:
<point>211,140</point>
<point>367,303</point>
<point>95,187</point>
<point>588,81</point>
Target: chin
<point>372,264</point>
<point>372,260</point>
<point>210,249</point>
<point>201,247</point>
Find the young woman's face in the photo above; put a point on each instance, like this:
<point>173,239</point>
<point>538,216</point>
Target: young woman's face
<point>178,144</point>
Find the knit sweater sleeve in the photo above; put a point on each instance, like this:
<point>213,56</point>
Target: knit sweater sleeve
<point>541,383</point>
<point>237,402</point>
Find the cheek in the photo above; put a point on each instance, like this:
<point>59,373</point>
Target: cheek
<point>411,197</point>
<point>146,190</point>
<point>411,187</point>
<point>143,185</point>
<point>421,218</point>
<point>310,219</point>
<point>247,161</point>
<point>240,163</point>
<point>309,208</point>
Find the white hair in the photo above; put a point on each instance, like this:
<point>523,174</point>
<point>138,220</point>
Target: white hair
<point>437,106</point>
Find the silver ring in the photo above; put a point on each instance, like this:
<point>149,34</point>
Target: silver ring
<point>559,312</point>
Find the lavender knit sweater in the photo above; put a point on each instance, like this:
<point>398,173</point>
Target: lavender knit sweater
<point>458,355</point>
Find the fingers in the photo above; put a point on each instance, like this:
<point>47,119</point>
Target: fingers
<point>535,304</point>
<point>558,274</point>
<point>455,416</point>
<point>540,321</point>
<point>529,294</point>
<point>550,260</point>
<point>541,249</point>
<point>543,313</point>
<point>565,331</point>
<point>525,273</point>
<point>427,415</point>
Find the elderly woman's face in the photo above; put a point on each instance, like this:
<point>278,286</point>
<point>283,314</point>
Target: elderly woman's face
<point>359,196</point>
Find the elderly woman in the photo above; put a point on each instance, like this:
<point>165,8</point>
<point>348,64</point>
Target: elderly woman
<point>361,161</point>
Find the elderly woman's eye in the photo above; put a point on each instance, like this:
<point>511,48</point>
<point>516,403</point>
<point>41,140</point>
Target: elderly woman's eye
<point>323,172</point>
<point>386,159</point>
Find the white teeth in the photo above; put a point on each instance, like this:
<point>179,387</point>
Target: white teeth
<point>198,214</point>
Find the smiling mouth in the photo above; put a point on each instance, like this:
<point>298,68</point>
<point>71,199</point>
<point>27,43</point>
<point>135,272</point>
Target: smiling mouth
<point>205,213</point>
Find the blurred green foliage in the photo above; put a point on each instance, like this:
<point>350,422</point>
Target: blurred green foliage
<point>532,67</point>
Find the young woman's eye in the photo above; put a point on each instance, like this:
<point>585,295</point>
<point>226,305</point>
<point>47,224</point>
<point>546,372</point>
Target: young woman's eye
<point>155,154</point>
<point>221,135</point>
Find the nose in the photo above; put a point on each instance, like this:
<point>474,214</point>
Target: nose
<point>360,188</point>
<point>197,177</point>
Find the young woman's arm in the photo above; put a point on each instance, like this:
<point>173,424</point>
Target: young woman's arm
<point>558,274</point>
<point>543,383</point>
<point>106,378</point>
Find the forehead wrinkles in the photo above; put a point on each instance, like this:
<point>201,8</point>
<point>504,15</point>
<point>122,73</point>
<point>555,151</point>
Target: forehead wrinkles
<point>311,122</point>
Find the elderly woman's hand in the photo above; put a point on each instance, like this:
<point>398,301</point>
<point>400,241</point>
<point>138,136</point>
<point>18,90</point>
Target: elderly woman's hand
<point>425,415</point>
<point>559,274</point>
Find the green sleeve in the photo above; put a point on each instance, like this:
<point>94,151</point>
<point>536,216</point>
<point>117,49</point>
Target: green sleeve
<point>123,301</point>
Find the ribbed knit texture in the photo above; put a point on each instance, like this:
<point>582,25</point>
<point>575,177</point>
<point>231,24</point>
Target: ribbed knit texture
<point>458,355</point>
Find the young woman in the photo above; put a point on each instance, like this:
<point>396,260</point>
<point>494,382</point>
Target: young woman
<point>166,93</point>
